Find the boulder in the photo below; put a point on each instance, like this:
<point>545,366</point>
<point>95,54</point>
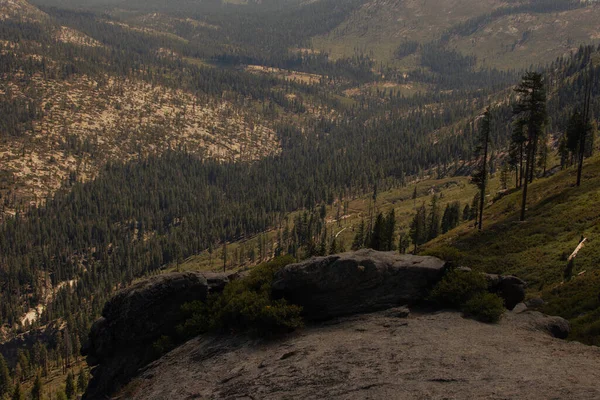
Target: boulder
<point>534,320</point>
<point>519,308</point>
<point>121,341</point>
<point>555,326</point>
<point>357,282</point>
<point>510,288</point>
<point>397,312</point>
<point>536,302</point>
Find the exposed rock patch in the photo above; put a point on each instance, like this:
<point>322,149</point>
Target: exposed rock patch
<point>534,320</point>
<point>357,282</point>
<point>120,342</point>
<point>376,356</point>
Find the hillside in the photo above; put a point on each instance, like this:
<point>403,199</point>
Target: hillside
<point>500,34</point>
<point>559,215</point>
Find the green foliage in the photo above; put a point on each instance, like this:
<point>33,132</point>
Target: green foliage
<point>485,307</point>
<point>383,234</point>
<point>70,386</point>
<point>83,380</point>
<point>418,227</point>
<point>451,217</point>
<point>450,254</point>
<point>61,395</point>
<point>163,345</point>
<point>245,306</point>
<point>457,288</point>
<point>467,290</point>
<point>18,392</point>
<point>37,389</point>
<point>5,379</point>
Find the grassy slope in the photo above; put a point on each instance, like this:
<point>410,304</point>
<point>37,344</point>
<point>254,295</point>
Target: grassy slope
<point>536,250</point>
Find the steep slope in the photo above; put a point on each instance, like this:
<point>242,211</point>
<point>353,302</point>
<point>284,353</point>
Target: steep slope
<point>20,9</point>
<point>559,215</point>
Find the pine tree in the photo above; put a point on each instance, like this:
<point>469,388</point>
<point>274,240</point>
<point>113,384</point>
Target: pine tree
<point>433,225</point>
<point>445,219</point>
<point>586,123</point>
<point>5,379</point>
<point>572,136</point>
<point>590,143</point>
<point>323,244</point>
<point>466,213</point>
<point>530,113</point>
<point>390,231</point>
<point>37,389</point>
<point>70,387</point>
<point>418,227</point>
<point>517,151</point>
<point>82,380</point>
<point>333,248</point>
<point>378,234</point>
<point>359,238</point>
<point>414,196</point>
<point>479,178</point>
<point>403,242</point>
<point>17,393</point>
<point>504,176</point>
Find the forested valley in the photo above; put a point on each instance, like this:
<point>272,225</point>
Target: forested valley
<point>333,129</point>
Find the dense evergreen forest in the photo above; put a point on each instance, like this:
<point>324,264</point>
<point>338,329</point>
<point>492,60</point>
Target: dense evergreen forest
<point>137,216</point>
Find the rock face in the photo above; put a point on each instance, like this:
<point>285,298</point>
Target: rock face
<point>379,356</point>
<point>357,282</point>
<point>120,342</point>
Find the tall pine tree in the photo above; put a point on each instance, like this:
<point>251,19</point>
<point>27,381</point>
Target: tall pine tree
<point>530,114</point>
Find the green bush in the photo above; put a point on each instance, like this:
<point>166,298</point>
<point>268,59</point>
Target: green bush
<point>457,287</point>
<point>162,345</point>
<point>484,307</point>
<point>244,306</point>
<point>451,255</point>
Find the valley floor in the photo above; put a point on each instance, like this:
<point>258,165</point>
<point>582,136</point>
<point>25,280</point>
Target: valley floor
<point>377,356</point>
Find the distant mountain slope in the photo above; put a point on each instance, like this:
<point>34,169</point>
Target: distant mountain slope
<point>501,34</point>
<point>75,101</point>
<point>19,9</point>
<point>380,26</point>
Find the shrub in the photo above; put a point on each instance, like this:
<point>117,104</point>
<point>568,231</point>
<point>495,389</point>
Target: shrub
<point>457,287</point>
<point>451,255</point>
<point>244,306</point>
<point>485,307</point>
<point>162,345</point>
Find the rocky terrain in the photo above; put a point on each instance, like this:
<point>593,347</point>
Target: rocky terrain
<point>121,340</point>
<point>367,344</point>
<point>381,356</point>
